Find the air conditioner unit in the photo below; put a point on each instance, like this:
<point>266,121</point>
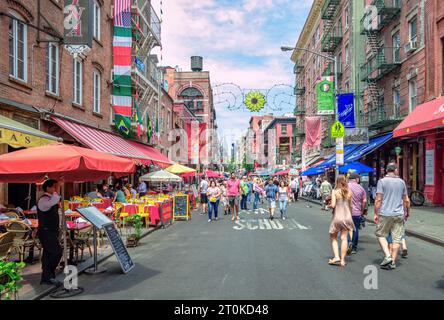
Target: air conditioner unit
<point>411,46</point>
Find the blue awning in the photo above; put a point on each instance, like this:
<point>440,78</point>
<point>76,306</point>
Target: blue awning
<point>312,172</point>
<point>364,149</point>
<point>354,152</point>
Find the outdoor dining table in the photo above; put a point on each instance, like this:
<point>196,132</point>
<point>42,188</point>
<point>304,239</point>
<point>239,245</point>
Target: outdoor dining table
<point>74,205</point>
<point>100,205</point>
<point>129,208</point>
<point>31,213</point>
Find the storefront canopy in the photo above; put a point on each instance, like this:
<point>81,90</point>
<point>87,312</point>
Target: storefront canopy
<point>362,150</point>
<point>424,117</point>
<point>356,167</point>
<point>113,144</point>
<point>180,169</point>
<point>18,135</point>
<point>312,171</point>
<point>161,176</point>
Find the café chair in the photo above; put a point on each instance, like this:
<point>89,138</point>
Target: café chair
<point>65,205</point>
<point>23,238</point>
<point>12,214</point>
<point>82,241</point>
<point>6,241</point>
<point>141,211</point>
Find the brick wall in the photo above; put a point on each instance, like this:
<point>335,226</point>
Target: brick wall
<point>33,91</point>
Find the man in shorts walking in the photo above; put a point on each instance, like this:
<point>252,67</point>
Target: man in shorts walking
<point>391,201</point>
<point>233,192</point>
<point>271,192</point>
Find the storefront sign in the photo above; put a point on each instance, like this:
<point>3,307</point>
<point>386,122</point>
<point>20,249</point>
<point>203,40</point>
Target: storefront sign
<point>18,139</point>
<point>340,151</point>
<point>356,136</point>
<point>430,167</point>
<point>78,21</point>
<point>325,97</point>
<point>346,109</point>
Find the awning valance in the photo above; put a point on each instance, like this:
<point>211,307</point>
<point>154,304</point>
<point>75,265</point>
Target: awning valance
<point>424,117</point>
<point>153,154</point>
<point>102,141</point>
<point>18,135</point>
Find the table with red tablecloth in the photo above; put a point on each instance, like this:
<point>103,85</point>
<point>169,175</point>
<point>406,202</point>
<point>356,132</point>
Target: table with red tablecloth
<point>100,205</point>
<point>73,205</point>
<point>130,208</point>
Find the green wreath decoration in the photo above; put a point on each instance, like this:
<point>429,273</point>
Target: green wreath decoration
<point>255,101</point>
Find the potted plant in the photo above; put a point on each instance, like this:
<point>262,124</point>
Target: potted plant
<point>133,239</point>
<point>10,275</point>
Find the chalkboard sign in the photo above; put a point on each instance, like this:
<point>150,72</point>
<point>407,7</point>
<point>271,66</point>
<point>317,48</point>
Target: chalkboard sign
<point>119,248</point>
<point>181,207</point>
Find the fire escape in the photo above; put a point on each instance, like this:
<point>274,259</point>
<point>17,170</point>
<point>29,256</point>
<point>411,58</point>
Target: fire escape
<point>299,132</point>
<point>331,39</point>
<point>144,72</point>
<point>380,62</point>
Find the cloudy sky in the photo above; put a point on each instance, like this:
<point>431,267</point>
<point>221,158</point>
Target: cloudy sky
<point>239,41</point>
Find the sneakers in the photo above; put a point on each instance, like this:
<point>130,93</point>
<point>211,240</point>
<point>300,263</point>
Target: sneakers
<point>387,260</point>
<point>283,218</point>
<point>354,251</point>
<point>390,266</point>
<point>209,220</point>
<point>350,248</point>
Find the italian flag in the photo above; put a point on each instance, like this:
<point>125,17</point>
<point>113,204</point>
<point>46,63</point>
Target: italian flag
<point>122,100</point>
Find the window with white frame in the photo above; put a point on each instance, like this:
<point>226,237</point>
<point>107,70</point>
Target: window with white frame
<point>77,81</point>
<point>52,68</point>
<point>413,29</point>
<point>339,61</point>
<point>347,18</point>
<point>96,91</point>
<point>18,50</point>
<point>347,55</point>
<point>96,26</point>
<point>396,39</point>
<point>413,93</point>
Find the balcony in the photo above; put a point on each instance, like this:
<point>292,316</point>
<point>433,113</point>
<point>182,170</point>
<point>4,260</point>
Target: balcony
<point>329,71</point>
<point>387,12</point>
<point>332,39</point>
<point>383,115</point>
<point>299,90</point>
<point>329,9</point>
<point>299,110</point>
<point>380,64</point>
<point>298,68</point>
<point>149,22</point>
<point>300,130</point>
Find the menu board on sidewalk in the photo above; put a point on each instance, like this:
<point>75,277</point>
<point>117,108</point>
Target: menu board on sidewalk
<point>166,213</point>
<point>93,215</point>
<point>119,248</point>
<point>181,207</point>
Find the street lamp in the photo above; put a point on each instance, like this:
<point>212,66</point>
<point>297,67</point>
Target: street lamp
<point>335,62</point>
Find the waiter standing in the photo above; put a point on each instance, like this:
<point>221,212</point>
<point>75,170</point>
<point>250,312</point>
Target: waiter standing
<point>48,231</point>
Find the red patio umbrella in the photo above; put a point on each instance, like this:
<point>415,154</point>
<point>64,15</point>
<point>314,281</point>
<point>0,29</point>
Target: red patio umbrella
<point>282,173</point>
<point>210,174</point>
<point>74,164</point>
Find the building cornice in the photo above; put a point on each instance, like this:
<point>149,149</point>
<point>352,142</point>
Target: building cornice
<point>307,31</point>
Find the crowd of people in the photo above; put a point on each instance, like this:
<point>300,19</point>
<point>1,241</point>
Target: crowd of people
<point>236,194</point>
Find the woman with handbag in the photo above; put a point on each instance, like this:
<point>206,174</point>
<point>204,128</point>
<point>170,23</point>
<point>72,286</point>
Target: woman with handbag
<point>342,223</point>
<point>213,194</point>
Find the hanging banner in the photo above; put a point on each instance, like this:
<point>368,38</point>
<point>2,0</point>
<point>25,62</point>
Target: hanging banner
<point>325,93</point>
<point>346,109</point>
<point>122,100</point>
<point>78,22</point>
<point>312,131</point>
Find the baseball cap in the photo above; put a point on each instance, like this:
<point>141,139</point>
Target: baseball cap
<point>354,176</point>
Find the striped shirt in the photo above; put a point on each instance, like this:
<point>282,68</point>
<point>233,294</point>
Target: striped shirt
<point>358,196</point>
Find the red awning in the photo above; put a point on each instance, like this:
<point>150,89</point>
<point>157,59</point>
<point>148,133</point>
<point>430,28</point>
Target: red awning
<point>427,116</point>
<point>155,155</point>
<point>102,141</point>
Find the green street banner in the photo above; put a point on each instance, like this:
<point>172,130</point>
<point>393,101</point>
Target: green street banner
<point>325,93</point>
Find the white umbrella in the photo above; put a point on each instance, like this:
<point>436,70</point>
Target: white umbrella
<point>161,176</point>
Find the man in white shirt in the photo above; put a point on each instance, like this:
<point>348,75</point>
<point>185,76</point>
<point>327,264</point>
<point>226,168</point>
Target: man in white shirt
<point>203,187</point>
<point>295,188</point>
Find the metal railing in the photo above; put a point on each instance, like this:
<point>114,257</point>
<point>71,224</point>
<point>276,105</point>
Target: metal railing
<point>382,115</point>
<point>381,63</point>
<point>329,9</point>
<point>387,11</point>
<point>332,39</point>
<point>150,18</point>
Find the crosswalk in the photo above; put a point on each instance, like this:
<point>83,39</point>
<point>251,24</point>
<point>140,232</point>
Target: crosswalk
<point>251,220</point>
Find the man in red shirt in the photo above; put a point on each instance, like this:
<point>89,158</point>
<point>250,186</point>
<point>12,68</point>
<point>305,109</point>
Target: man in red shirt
<point>233,192</point>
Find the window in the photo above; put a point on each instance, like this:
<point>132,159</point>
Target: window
<point>96,91</point>
<point>18,50</point>
<point>96,26</point>
<point>413,93</point>
<point>339,27</point>
<point>284,129</point>
<point>347,19</point>
<point>77,81</point>
<point>340,62</point>
<point>413,29</point>
<point>347,55</point>
<point>52,68</point>
<point>396,40</point>
<point>396,100</point>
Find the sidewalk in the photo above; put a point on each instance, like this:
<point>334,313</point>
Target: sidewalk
<point>426,223</point>
<point>32,290</point>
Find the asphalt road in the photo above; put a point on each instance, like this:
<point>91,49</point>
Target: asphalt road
<point>254,259</point>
